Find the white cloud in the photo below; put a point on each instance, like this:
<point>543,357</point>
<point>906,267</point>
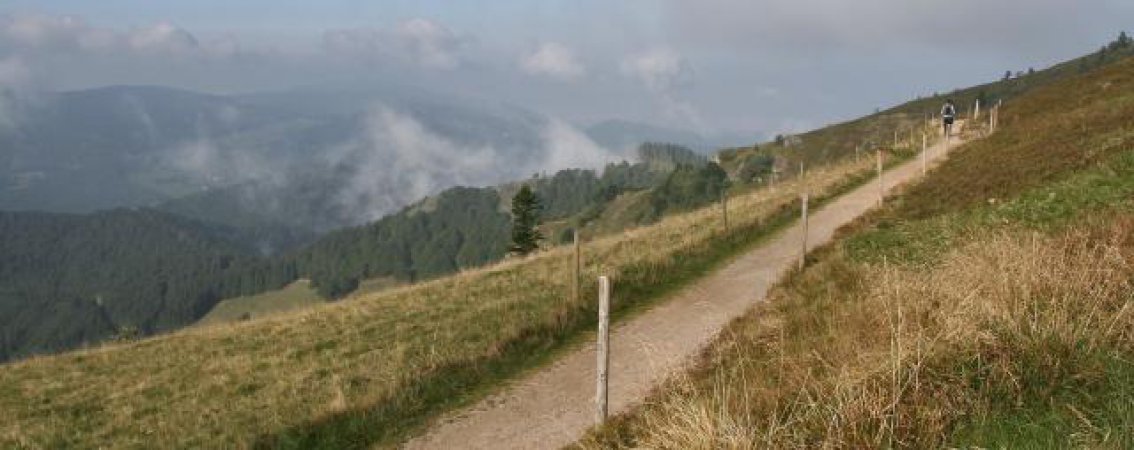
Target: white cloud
<point>35,31</point>
<point>660,70</point>
<point>664,72</point>
<point>567,147</point>
<point>553,60</point>
<point>431,43</point>
<point>162,37</point>
<point>13,72</point>
<point>420,41</point>
<point>398,160</point>
<point>35,36</point>
<point>15,79</point>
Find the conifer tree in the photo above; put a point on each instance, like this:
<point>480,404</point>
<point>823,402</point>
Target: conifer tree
<point>525,218</point>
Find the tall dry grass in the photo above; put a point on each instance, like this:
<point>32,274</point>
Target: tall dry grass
<point>874,355</point>
<point>370,366</point>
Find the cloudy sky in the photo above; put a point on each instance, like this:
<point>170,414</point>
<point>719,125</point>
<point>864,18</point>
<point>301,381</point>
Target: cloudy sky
<point>714,66</point>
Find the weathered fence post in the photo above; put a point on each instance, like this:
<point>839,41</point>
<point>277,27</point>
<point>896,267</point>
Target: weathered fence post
<point>803,245</point>
<point>991,120</point>
<point>924,153</point>
<point>577,269</point>
<point>603,350</point>
<point>976,110</point>
<point>724,208</point>
<point>881,188</point>
<point>856,152</point>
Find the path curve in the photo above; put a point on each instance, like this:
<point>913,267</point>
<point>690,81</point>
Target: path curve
<point>553,406</point>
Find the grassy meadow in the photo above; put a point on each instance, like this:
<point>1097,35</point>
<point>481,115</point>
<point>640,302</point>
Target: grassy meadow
<point>990,306</point>
<point>370,370</point>
<point>295,296</point>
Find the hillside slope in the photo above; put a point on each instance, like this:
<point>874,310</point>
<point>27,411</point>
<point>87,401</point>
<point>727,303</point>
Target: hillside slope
<point>371,369</point>
<point>896,126</point>
<point>554,406</point>
<point>989,306</point>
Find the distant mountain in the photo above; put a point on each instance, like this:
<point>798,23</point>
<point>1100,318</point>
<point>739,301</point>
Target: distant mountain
<point>103,148</point>
<point>310,160</point>
<point>283,167</point>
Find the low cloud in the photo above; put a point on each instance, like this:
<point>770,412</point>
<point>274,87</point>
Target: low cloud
<point>213,165</point>
<point>567,147</point>
<point>660,70</point>
<point>44,35</point>
<point>162,37</point>
<point>397,161</point>
<point>14,73</point>
<point>15,83</point>
<point>664,72</point>
<point>423,42</point>
<point>553,60</point>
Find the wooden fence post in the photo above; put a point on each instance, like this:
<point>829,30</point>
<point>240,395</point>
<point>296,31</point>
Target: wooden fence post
<point>803,246</point>
<point>724,208</point>
<point>881,188</point>
<point>603,351</point>
<point>856,152</point>
<point>991,120</point>
<point>924,153</point>
<point>976,110</point>
<point>576,272</point>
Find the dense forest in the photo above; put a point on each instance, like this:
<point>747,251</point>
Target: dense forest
<point>75,279</point>
<point>71,279</point>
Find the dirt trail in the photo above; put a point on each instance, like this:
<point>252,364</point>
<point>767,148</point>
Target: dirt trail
<point>553,406</point>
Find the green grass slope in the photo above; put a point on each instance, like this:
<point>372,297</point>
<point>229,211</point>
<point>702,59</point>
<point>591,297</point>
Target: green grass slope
<point>988,306</point>
<point>295,296</point>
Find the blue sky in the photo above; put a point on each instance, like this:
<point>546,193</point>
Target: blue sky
<point>716,66</point>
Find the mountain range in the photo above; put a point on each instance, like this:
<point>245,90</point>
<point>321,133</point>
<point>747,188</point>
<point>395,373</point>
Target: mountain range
<point>301,162</point>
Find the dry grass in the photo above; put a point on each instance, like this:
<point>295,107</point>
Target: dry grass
<point>229,385</point>
<point>881,356</point>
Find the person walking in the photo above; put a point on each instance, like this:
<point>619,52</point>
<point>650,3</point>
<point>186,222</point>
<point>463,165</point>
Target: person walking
<point>948,114</point>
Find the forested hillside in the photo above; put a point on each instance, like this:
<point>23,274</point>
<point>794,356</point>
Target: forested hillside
<point>468,227</point>
<point>75,279</point>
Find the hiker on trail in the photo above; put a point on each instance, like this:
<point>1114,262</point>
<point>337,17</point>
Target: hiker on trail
<point>948,113</point>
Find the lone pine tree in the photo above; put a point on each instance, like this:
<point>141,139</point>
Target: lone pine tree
<point>525,218</point>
